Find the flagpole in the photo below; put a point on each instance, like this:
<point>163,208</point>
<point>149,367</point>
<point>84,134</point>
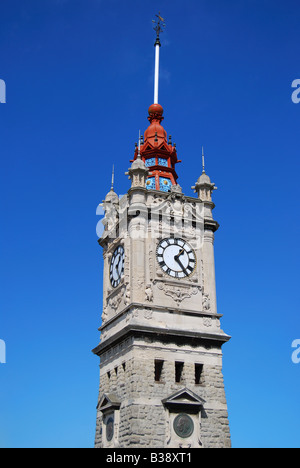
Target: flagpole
<point>159,27</point>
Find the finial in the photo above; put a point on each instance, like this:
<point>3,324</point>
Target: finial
<point>203,161</point>
<point>139,147</point>
<point>113,177</point>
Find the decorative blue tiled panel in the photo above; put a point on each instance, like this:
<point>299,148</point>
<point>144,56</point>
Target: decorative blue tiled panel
<point>150,162</point>
<point>162,162</point>
<point>150,183</point>
<point>165,184</point>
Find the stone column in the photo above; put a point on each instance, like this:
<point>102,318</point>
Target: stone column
<point>210,301</point>
<point>138,228</point>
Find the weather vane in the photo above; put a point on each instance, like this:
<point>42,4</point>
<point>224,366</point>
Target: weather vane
<point>159,26</point>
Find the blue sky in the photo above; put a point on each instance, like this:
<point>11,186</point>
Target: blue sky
<point>79,77</point>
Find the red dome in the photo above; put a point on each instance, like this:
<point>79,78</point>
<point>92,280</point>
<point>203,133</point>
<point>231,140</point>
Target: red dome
<point>156,149</point>
<point>155,132</point>
<point>156,109</point>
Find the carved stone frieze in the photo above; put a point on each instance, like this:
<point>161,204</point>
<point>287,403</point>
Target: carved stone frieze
<point>114,301</point>
<point>132,314</point>
<point>207,322</point>
<point>148,314</point>
<point>178,292</point>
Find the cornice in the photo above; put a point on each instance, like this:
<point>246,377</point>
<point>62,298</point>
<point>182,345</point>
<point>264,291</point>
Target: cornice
<point>192,337</point>
<point>138,305</point>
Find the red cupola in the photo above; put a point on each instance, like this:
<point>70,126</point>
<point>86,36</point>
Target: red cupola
<point>158,154</point>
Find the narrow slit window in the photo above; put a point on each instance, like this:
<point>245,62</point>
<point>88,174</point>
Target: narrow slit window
<point>158,368</point>
<point>198,374</point>
<point>178,371</point>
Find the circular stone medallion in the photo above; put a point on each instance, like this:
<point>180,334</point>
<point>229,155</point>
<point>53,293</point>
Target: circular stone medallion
<point>183,426</point>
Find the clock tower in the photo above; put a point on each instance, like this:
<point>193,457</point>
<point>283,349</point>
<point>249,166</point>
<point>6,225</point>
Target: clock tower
<point>161,382</point>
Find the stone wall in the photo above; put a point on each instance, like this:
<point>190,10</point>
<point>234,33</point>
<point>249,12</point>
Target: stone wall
<point>142,418</point>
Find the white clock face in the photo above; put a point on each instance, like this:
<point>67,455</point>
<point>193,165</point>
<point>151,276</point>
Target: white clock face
<point>117,266</point>
<point>176,257</point>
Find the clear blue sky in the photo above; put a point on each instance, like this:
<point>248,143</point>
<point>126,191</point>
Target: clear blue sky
<point>79,76</point>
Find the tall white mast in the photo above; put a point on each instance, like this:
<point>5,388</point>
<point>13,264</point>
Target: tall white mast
<point>156,77</point>
<point>159,27</point>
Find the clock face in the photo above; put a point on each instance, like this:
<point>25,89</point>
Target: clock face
<point>117,266</point>
<point>176,257</point>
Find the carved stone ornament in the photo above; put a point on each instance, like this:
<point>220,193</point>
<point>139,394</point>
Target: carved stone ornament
<point>104,314</point>
<point>206,302</point>
<point>151,263</point>
<point>149,293</point>
<point>179,293</point>
<point>207,322</point>
<point>132,314</point>
<point>127,295</point>
<point>148,314</point>
<point>115,300</point>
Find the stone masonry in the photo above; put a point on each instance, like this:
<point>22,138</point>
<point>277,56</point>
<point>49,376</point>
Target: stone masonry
<point>161,380</point>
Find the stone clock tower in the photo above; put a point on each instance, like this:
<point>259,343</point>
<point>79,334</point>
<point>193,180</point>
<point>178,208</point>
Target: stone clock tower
<point>161,382</point>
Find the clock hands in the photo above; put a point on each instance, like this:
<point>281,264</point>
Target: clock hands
<point>181,252</point>
<point>117,265</point>
<point>181,266</point>
<point>177,259</point>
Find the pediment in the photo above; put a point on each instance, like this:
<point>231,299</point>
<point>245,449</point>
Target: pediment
<point>164,147</point>
<point>109,401</point>
<point>184,398</point>
<point>148,148</point>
